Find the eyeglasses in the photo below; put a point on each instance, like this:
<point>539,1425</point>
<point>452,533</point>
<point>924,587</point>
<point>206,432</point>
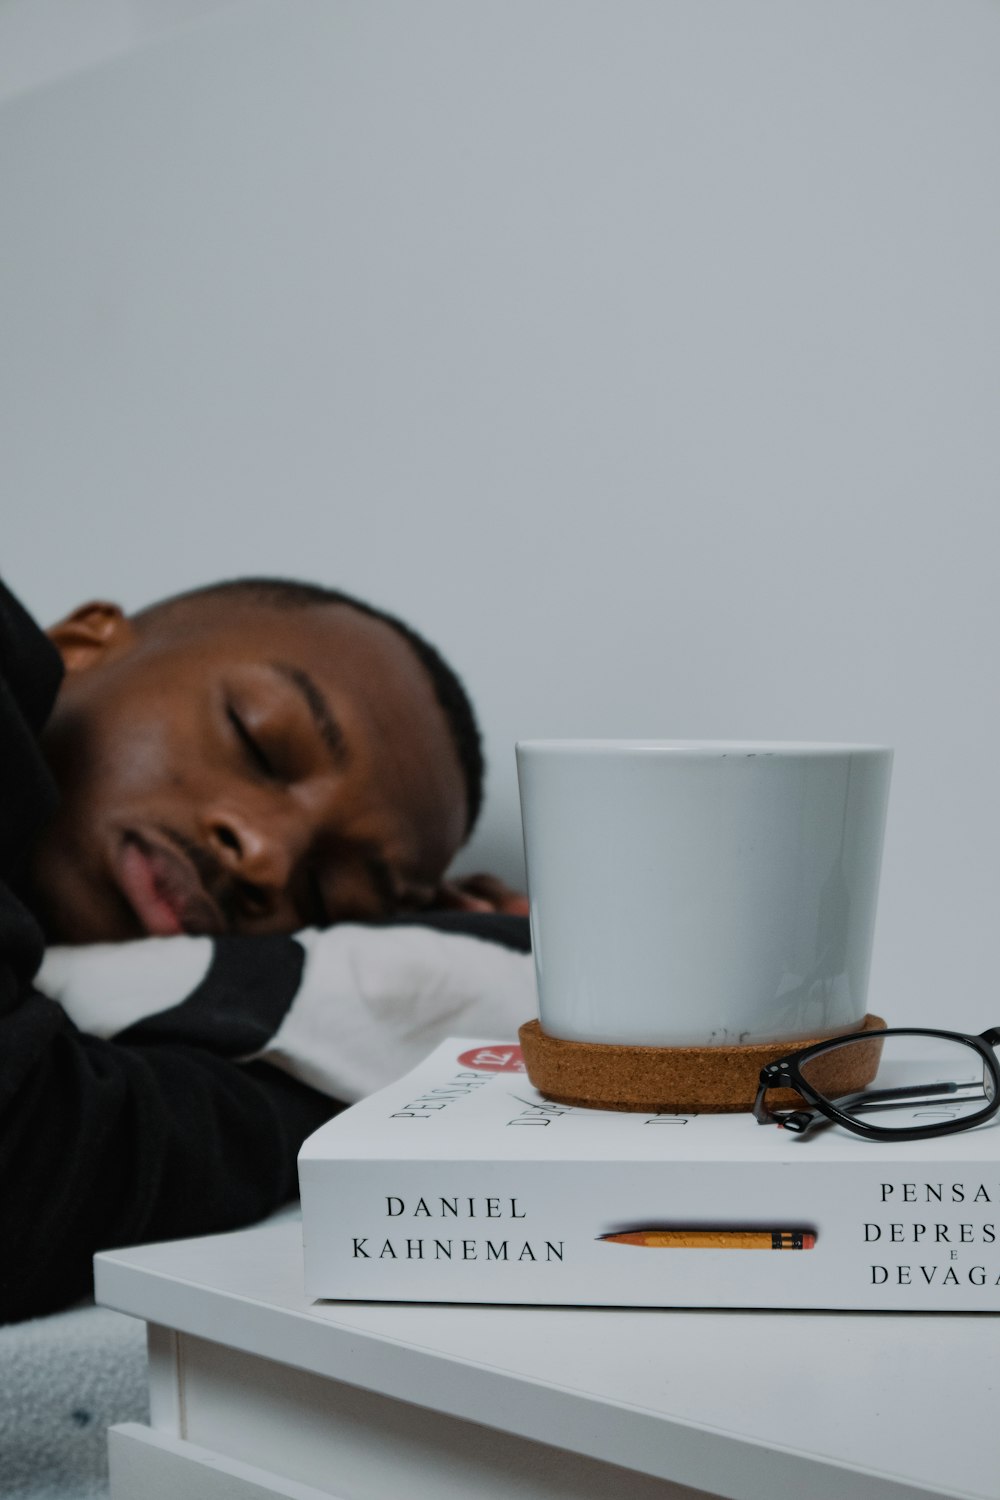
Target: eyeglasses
<point>917,1083</point>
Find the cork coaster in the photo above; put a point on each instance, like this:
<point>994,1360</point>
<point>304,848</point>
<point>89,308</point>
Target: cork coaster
<point>677,1080</point>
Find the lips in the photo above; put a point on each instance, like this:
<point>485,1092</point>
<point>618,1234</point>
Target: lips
<point>163,889</point>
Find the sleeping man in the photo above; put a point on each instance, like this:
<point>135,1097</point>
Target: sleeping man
<point>222,770</point>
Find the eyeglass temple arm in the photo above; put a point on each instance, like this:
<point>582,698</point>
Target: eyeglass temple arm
<point>992,1036</point>
<point>875,1097</point>
<point>800,1120</point>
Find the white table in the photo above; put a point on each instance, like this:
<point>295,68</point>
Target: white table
<point>256,1392</point>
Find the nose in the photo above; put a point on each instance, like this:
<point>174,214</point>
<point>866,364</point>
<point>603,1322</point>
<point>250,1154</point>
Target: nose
<point>259,849</point>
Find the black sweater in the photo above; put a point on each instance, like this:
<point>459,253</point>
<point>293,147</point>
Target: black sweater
<point>107,1143</point>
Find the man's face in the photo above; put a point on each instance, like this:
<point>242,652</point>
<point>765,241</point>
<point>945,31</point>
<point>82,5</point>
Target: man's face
<point>231,766</point>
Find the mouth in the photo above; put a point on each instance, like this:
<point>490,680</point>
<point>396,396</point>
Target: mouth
<point>163,889</point>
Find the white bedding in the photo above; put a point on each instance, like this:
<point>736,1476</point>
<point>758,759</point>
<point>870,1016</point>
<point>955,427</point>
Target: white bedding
<point>346,1009</point>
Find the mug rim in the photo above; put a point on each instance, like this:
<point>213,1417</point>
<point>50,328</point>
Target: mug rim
<point>706,749</point>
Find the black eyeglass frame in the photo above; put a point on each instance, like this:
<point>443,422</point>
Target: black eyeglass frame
<point>786,1073</point>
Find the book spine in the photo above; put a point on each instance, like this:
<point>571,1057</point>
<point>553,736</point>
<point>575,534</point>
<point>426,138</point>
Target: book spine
<point>654,1234</point>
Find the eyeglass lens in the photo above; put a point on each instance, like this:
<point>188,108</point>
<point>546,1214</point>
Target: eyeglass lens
<point>902,1082</point>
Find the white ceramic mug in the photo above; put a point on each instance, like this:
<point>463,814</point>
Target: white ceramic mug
<point>690,893</point>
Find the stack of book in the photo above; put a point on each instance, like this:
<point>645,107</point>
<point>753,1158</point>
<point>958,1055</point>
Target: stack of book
<point>461,1183</point>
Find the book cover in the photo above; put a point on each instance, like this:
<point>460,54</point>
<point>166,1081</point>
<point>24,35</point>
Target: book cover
<point>461,1183</point>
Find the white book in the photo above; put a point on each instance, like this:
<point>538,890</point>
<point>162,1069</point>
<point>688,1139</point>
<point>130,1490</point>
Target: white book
<point>462,1183</point>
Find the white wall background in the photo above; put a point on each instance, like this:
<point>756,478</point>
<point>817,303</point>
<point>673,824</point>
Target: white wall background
<point>645,353</point>
<point>42,40</point>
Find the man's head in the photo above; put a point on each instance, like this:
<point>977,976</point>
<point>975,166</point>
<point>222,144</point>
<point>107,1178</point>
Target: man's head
<point>257,756</point>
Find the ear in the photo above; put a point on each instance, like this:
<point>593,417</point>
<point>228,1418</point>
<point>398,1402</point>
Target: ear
<point>90,634</point>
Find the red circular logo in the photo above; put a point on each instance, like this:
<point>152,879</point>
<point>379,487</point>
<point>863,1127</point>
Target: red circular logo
<point>498,1057</point>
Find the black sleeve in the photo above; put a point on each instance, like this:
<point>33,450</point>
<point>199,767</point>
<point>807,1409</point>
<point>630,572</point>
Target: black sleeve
<point>104,1144</point>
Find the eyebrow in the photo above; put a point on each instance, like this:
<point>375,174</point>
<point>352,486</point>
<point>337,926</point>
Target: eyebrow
<point>320,712</point>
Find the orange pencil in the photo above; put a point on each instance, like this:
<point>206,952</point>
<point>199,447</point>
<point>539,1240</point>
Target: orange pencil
<point>715,1239</point>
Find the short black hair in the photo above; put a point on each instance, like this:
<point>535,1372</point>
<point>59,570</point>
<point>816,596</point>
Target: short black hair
<point>290,593</point>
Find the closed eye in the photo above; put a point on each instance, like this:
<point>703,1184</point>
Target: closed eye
<point>250,745</point>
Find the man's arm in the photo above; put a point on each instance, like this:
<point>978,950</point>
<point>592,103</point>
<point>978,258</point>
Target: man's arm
<point>105,1144</point>
<point>124,1116</point>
